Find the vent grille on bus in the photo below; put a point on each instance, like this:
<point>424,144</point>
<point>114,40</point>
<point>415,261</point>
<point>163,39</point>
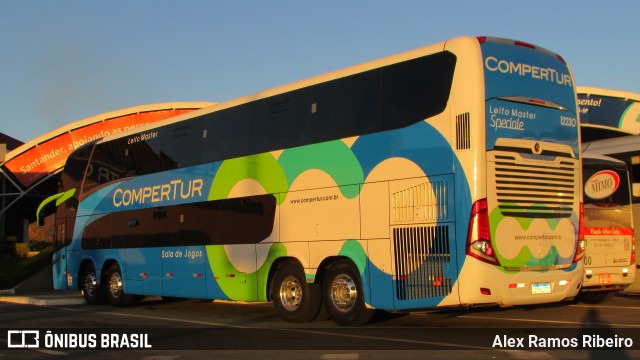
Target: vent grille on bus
<point>535,189</point>
<point>463,133</point>
<point>421,254</point>
<point>424,202</point>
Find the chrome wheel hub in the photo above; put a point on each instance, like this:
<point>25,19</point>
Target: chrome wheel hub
<point>90,284</point>
<point>290,293</point>
<point>344,293</point>
<point>115,284</point>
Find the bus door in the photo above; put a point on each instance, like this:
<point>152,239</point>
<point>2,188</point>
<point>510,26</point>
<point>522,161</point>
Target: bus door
<point>60,255</point>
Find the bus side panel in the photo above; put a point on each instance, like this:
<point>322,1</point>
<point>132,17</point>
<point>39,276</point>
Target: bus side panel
<point>233,271</point>
<point>183,269</point>
<point>322,199</point>
<point>330,213</point>
<point>145,265</point>
<point>427,252</point>
<point>380,283</point>
<point>374,212</point>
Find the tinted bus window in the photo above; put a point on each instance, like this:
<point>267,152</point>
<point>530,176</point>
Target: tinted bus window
<point>607,196</point>
<point>280,121</point>
<point>416,89</point>
<point>345,107</point>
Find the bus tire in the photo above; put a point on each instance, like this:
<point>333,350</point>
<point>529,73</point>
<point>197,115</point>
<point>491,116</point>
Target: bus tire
<point>343,296</point>
<point>295,299</point>
<point>113,283</point>
<point>93,292</point>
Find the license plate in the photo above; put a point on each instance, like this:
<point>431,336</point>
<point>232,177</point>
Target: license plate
<point>540,288</point>
<point>605,279</point>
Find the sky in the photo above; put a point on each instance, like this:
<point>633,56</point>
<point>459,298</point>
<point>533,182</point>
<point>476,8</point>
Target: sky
<point>62,61</point>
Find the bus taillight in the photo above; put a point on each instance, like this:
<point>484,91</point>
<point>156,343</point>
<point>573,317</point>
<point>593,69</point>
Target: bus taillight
<point>479,234</point>
<point>581,231</point>
<point>633,249</point>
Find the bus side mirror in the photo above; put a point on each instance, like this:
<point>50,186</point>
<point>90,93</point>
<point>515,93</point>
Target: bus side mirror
<point>635,189</point>
<point>41,212</point>
<point>58,198</point>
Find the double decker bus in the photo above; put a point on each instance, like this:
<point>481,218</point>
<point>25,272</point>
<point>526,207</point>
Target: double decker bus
<point>609,259</point>
<point>448,175</point>
<point>607,113</point>
<point>609,126</point>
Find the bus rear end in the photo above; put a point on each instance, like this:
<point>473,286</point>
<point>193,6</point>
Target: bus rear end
<point>609,260</point>
<point>523,243</point>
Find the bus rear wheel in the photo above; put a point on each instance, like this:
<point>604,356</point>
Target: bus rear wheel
<point>92,291</point>
<point>343,296</point>
<point>114,288</point>
<point>295,299</point>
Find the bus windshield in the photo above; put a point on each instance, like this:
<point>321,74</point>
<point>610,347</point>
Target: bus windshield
<point>607,201</point>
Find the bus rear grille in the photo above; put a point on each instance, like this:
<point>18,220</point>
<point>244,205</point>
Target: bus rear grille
<point>535,189</point>
<point>421,254</point>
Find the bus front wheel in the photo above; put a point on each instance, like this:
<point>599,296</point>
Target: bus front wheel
<point>295,299</point>
<point>343,296</point>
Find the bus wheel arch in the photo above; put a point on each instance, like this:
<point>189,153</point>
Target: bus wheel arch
<point>273,269</point>
<point>325,265</point>
<point>294,298</point>
<point>92,289</point>
<point>272,272</point>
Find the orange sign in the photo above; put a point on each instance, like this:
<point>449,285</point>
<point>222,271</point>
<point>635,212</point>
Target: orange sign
<point>39,161</point>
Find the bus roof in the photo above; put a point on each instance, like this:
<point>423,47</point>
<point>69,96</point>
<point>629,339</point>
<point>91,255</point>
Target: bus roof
<point>593,158</point>
<point>612,146</point>
<point>318,79</point>
<point>463,41</point>
<point>596,160</point>
<point>607,92</point>
<point>607,113</point>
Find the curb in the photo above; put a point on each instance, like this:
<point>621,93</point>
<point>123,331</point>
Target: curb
<point>42,300</point>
